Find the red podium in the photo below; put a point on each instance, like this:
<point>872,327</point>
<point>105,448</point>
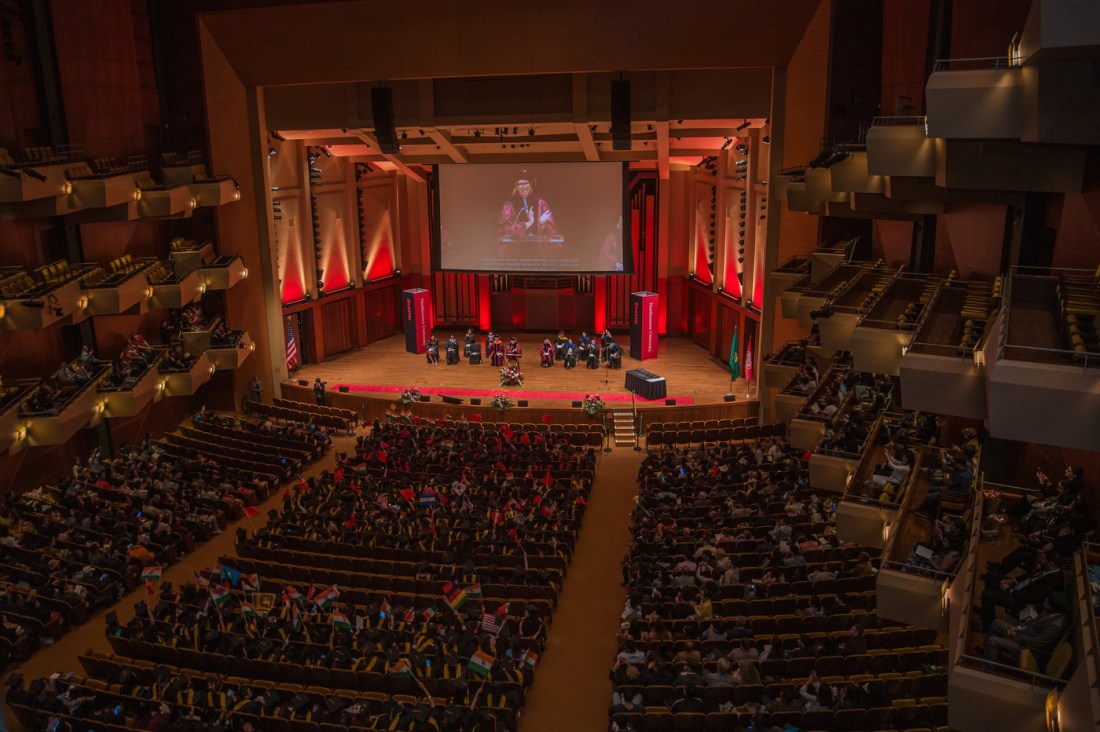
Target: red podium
<point>418,319</point>
<point>643,325</point>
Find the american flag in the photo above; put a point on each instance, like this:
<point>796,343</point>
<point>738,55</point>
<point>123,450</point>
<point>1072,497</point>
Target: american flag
<point>291,345</point>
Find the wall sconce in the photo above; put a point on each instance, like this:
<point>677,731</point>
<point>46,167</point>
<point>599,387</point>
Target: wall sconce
<point>160,386</point>
<point>82,302</point>
<point>202,287</point>
<point>193,202</point>
<point>21,434</point>
<point>1053,715</point>
<point>3,311</point>
<point>212,367</point>
<point>66,188</point>
<point>148,292</point>
<point>237,195</point>
<point>251,347</point>
<point>885,532</point>
<point>244,273</point>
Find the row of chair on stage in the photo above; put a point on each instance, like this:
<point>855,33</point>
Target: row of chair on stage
<point>588,351</point>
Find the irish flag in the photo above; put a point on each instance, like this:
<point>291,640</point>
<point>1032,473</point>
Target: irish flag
<point>326,597</point>
<point>219,594</point>
<point>340,621</point>
<point>152,573</point>
<point>481,662</point>
<point>454,595</point>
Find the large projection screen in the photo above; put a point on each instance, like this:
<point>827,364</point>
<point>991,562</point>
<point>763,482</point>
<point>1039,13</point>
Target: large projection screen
<point>532,217</point>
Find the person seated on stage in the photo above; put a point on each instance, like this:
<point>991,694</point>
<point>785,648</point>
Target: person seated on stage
<point>584,339</point>
<point>471,339</point>
<point>592,360</point>
<point>546,354</point>
<point>489,343</point>
<point>513,351</point>
<point>570,356</point>
<point>614,355</point>
<point>559,346</point>
<point>605,341</point>
<point>452,350</point>
<point>431,351</point>
<point>496,352</point>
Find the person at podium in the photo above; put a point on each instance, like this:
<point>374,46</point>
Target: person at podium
<point>546,354</point>
<point>605,341</point>
<point>513,351</point>
<point>452,350</point>
<point>524,213</point>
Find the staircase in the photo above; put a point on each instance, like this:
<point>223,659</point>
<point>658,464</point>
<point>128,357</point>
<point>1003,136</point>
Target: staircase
<point>623,426</point>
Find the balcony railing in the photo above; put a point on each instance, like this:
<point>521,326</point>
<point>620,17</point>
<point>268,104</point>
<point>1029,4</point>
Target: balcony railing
<point>985,63</point>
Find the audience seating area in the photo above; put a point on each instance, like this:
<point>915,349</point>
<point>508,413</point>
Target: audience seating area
<point>713,430</point>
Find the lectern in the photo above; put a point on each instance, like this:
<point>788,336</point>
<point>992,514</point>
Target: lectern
<point>643,325</point>
<point>417,318</point>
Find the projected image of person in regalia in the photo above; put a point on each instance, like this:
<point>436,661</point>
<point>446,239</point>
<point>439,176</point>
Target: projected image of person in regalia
<point>525,213</point>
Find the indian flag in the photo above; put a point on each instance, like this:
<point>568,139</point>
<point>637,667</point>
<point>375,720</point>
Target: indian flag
<point>401,668</point>
<point>454,595</point>
<point>481,662</point>
<point>428,613</point>
<point>325,597</point>
<point>340,621</point>
<point>250,582</point>
<point>219,594</point>
<point>152,573</point>
<point>248,610</point>
<point>529,659</point>
<point>473,591</point>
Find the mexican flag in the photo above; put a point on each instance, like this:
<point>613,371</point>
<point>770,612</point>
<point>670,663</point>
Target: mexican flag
<point>220,594</point>
<point>454,595</point>
<point>152,573</point>
<point>481,662</point>
<point>340,621</point>
<point>325,597</point>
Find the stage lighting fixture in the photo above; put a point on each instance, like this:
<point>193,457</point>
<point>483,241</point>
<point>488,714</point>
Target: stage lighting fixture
<point>326,151</point>
<point>477,133</point>
<point>727,143</point>
<point>515,130</point>
<point>278,137</point>
<point>320,285</point>
<point>742,162</point>
<point>404,135</point>
<point>742,148</point>
<point>271,152</point>
<point>742,126</point>
<point>278,217</point>
<point>531,131</point>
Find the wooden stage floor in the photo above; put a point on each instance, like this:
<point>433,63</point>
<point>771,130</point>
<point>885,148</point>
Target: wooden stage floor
<point>688,369</point>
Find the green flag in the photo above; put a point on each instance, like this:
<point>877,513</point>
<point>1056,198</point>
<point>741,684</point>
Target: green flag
<point>733,356</point>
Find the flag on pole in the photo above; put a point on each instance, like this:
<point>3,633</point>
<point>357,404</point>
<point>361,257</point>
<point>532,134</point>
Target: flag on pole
<point>474,591</point>
<point>428,498</point>
<point>481,662</point>
<point>428,614</point>
<point>296,619</point>
<point>401,668</point>
<point>735,371</point>
<point>250,582</point>
<point>152,573</point>
<point>491,623</point>
<point>454,595</point>
<point>291,345</point>
<point>248,610</point>
<point>529,659</point>
<point>340,621</point>
<point>748,361</point>
<point>220,595</point>
<point>233,575</point>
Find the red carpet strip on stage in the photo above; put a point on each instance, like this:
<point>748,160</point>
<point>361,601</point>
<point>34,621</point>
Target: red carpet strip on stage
<point>383,389</point>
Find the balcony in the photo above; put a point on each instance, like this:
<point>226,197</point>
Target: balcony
<point>230,356</point>
<point>187,382</point>
<point>122,288</point>
<point>13,396</point>
<point>849,303</point>
<point>1043,356</point>
<point>190,171</point>
<point>851,175</point>
<point>171,292</point>
<point>71,411</point>
<point>788,273</point>
<point>941,369</point>
<point>975,98</point>
<point>35,186</point>
<point>885,329</point>
<point>1010,165</point>
<point>808,425</point>
<point>813,296</point>
<point>50,295</point>
<point>785,363</point>
<point>223,272</point>
<point>130,397</point>
<point>825,258</point>
<point>900,146</point>
<point>107,186</point>
<point>187,256</point>
<point>164,201</point>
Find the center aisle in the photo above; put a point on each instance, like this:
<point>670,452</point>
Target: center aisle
<point>571,690</point>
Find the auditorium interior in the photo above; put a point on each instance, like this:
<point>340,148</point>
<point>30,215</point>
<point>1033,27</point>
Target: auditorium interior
<point>768,399</point>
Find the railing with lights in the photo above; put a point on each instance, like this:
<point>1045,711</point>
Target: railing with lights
<point>984,63</point>
<point>901,121</point>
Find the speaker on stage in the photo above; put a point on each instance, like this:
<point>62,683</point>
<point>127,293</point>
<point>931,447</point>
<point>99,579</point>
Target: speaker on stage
<point>620,114</point>
<point>303,382</point>
<point>576,405</point>
<point>729,398</point>
<point>670,402</point>
<point>381,107</point>
<point>475,401</point>
<point>522,402</point>
<point>425,398</point>
<point>450,399</point>
<point>343,389</point>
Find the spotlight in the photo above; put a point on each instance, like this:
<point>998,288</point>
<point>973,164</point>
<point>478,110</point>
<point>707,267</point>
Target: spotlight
<point>515,130</point>
<point>326,151</point>
<point>531,131</point>
<point>477,133</point>
<point>742,126</point>
<point>727,143</point>
<point>271,152</point>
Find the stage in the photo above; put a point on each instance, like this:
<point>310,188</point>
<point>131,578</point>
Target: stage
<point>377,374</point>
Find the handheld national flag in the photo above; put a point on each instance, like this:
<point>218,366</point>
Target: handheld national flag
<point>473,591</point>
<point>529,659</point>
<point>384,607</point>
<point>251,511</point>
<point>248,610</point>
<point>454,595</point>
<point>250,582</point>
<point>428,614</point>
<point>296,618</point>
<point>429,497</point>
<point>325,597</point>
<point>233,575</point>
<point>219,594</point>
<point>152,573</point>
<point>401,668</point>
<point>340,621</point>
<point>481,662</point>
<point>492,623</point>
<point>734,364</point>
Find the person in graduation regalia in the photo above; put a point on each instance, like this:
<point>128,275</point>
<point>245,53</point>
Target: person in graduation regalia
<point>605,341</point>
<point>496,352</point>
<point>452,350</point>
<point>570,356</point>
<point>615,355</point>
<point>592,360</point>
<point>431,351</point>
<point>469,341</point>
<point>559,346</point>
<point>546,354</point>
<point>514,351</point>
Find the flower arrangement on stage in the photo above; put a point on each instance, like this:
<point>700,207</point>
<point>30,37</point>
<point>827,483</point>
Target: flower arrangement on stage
<point>409,396</point>
<point>511,376</point>
<point>593,404</point>
<point>501,402</point>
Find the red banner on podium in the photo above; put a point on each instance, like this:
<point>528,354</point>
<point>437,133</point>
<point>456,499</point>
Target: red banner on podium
<point>417,318</point>
<point>643,325</point>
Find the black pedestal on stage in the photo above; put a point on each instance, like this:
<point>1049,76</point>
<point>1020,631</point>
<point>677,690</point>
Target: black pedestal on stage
<point>475,353</point>
<point>646,384</point>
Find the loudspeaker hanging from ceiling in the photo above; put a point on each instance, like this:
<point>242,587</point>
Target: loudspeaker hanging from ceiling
<point>620,114</point>
<point>381,107</point>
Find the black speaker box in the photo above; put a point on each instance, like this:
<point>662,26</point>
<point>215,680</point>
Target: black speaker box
<point>450,399</point>
<point>343,389</point>
<point>522,402</point>
<point>730,398</point>
<point>670,402</point>
<point>381,106</point>
<point>475,401</point>
<point>620,114</point>
<point>576,405</point>
<point>303,382</point>
<point>425,398</point>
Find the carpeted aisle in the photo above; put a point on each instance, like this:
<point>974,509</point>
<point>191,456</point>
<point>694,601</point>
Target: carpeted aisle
<point>571,690</point>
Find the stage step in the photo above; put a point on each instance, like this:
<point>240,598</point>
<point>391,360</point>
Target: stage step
<point>625,433</point>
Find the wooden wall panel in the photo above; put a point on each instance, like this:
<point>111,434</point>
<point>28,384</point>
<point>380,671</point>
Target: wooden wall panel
<point>339,326</point>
